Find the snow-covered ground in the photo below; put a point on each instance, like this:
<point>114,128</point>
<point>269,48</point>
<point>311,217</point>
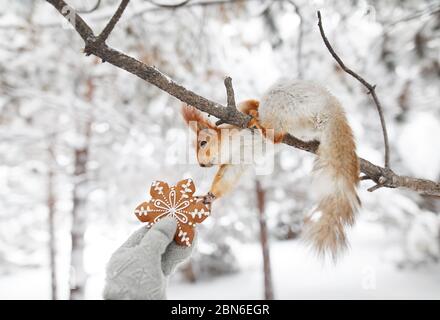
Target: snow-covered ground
<point>367,272</point>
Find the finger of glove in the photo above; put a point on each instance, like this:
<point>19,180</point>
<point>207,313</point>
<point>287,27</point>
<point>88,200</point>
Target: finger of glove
<point>176,254</point>
<point>159,236</point>
<point>135,238</point>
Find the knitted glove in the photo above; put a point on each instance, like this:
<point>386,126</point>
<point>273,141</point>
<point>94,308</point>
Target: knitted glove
<point>138,269</point>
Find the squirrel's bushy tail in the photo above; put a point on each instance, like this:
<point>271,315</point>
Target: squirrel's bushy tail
<point>336,176</point>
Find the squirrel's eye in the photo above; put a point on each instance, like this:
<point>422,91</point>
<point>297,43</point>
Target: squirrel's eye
<point>203,143</point>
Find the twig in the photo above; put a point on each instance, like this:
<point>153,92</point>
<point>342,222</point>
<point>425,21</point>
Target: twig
<point>231,107</point>
<point>169,6</point>
<point>113,21</point>
<point>230,94</point>
<point>230,101</point>
<point>140,12</point>
<point>94,8</point>
<point>380,184</point>
<point>163,82</point>
<point>150,73</point>
<point>371,89</point>
<point>81,27</point>
<point>429,11</point>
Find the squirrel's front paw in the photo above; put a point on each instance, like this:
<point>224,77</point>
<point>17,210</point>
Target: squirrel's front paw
<point>208,198</point>
<point>253,124</point>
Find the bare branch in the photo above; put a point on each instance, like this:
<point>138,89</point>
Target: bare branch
<point>94,8</point>
<point>380,184</point>
<point>138,13</point>
<point>74,19</point>
<point>169,6</point>
<point>230,94</point>
<point>375,187</point>
<point>426,12</point>
<point>230,98</point>
<point>371,89</point>
<point>192,4</point>
<point>232,116</point>
<point>113,21</point>
<point>387,178</point>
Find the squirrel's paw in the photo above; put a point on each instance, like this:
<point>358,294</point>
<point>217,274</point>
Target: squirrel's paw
<point>254,124</point>
<point>208,198</point>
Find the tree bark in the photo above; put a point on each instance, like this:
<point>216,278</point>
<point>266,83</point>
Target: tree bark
<point>78,276</point>
<point>52,241</point>
<point>268,286</point>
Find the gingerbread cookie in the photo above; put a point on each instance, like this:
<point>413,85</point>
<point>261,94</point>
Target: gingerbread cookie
<point>177,202</point>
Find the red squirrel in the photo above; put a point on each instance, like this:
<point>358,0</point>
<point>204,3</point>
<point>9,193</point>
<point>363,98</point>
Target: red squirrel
<point>307,111</point>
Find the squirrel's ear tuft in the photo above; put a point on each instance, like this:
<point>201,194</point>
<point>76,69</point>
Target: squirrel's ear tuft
<point>190,113</point>
<point>195,119</point>
<point>249,107</point>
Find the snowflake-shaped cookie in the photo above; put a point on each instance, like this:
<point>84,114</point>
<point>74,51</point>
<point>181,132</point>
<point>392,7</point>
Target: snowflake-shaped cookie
<point>177,202</point>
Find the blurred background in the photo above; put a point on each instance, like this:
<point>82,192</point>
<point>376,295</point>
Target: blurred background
<point>81,141</point>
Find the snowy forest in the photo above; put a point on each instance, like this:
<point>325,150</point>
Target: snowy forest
<point>81,140</point>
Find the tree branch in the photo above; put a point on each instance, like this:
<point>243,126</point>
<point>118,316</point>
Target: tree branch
<point>169,6</point>
<point>428,11</point>
<point>228,115</point>
<point>94,8</point>
<point>140,12</point>
<point>230,94</point>
<point>102,38</point>
<point>74,19</point>
<point>230,98</point>
<point>371,89</point>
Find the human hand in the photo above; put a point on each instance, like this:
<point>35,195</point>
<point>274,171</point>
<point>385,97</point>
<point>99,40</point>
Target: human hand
<point>138,269</point>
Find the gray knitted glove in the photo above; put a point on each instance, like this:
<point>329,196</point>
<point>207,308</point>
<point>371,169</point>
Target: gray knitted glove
<point>138,269</point>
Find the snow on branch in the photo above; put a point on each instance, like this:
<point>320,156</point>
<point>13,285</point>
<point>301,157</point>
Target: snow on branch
<point>384,177</point>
